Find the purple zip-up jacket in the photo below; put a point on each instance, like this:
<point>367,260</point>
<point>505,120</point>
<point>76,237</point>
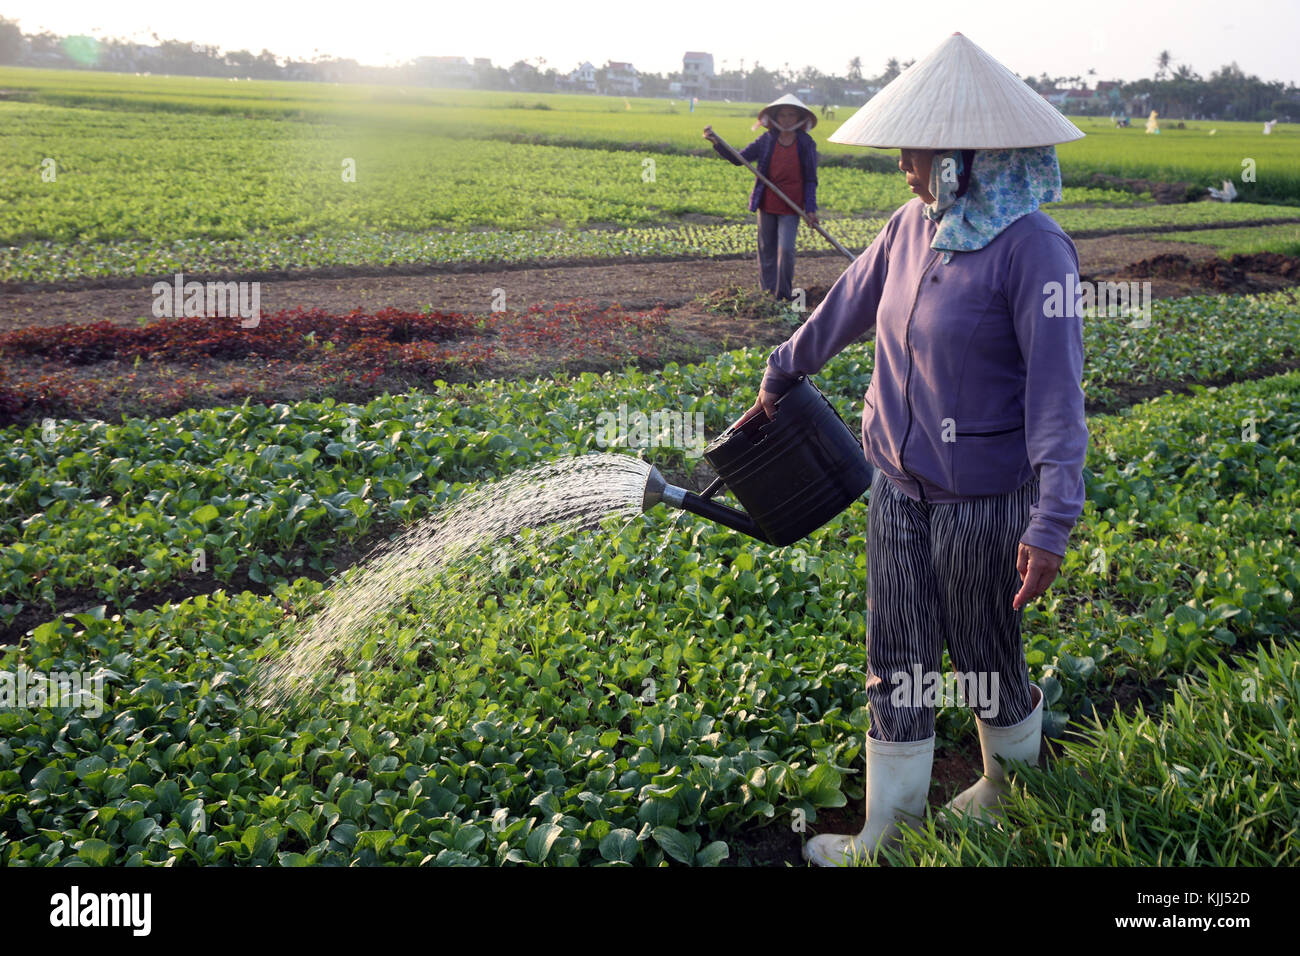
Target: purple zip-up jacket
<point>759,152</point>
<point>977,383</point>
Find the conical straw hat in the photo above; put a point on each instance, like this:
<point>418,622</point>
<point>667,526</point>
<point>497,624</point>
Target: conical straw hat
<point>958,97</point>
<point>788,100</point>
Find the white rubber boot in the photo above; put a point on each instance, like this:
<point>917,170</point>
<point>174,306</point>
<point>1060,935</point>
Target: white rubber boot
<point>898,782</point>
<point>982,801</point>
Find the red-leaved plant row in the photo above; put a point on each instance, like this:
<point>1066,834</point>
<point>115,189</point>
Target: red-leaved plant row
<point>364,347</point>
<point>279,335</point>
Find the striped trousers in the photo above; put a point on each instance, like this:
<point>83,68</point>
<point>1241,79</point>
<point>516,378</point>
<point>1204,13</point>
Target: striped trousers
<point>944,573</point>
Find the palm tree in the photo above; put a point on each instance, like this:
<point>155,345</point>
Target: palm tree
<point>1163,60</point>
<point>855,69</point>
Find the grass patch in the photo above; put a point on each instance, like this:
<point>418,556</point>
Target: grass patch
<point>750,303</point>
<point>1211,783</point>
<point>1284,239</point>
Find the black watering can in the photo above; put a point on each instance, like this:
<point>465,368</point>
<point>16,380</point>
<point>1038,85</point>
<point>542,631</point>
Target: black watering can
<point>793,472</point>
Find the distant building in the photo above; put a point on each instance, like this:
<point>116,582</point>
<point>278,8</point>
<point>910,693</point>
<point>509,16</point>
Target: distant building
<point>697,74</point>
<point>1078,99</point>
<point>621,79</point>
<point>1110,93</point>
<point>583,78</point>
<point>445,70</point>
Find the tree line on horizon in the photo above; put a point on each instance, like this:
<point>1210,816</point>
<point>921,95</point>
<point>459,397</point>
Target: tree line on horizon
<point>1176,91</point>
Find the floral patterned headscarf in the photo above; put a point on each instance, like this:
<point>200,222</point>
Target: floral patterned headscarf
<point>1005,184</point>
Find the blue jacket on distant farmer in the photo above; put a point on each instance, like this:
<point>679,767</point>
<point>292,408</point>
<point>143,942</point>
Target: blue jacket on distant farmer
<point>787,156</point>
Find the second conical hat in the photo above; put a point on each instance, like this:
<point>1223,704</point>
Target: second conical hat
<point>788,100</point>
<point>958,97</point>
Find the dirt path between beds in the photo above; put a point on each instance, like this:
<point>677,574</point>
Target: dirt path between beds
<point>634,285</point>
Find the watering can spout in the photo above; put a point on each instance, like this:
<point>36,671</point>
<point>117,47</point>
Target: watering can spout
<point>657,490</point>
<point>655,487</point>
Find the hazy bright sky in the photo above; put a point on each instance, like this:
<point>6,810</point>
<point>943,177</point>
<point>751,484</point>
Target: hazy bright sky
<point>1119,38</point>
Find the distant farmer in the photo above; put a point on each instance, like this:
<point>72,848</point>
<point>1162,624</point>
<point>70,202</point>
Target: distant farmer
<point>974,420</point>
<point>787,155</point>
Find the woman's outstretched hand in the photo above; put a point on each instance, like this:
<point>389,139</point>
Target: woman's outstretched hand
<point>710,135</point>
<point>1037,569</point>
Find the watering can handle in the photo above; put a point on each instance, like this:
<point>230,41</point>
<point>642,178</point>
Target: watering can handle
<point>718,483</point>
<point>752,413</point>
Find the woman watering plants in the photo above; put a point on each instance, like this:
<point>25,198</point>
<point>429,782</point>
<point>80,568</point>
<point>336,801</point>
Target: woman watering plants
<point>973,420</point>
<point>786,155</point>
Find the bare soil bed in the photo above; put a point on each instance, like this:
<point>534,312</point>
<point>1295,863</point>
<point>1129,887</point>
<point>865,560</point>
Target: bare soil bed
<point>1255,272</point>
<point>634,285</point>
